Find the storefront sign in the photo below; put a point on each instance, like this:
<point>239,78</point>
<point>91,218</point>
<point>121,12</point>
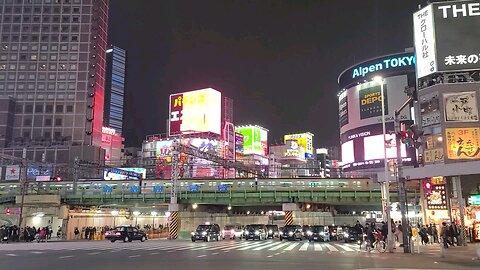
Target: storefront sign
<point>108,131</point>
<point>433,155</point>
<point>474,200</point>
<point>461,107</point>
<point>463,143</point>
<point>437,200</point>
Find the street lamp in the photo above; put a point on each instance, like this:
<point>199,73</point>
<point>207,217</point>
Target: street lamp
<point>154,214</point>
<point>194,206</point>
<point>229,207</point>
<point>114,214</point>
<point>136,214</point>
<point>386,183</point>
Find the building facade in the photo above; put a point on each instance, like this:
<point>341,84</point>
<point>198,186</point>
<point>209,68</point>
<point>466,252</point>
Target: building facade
<point>52,63</point>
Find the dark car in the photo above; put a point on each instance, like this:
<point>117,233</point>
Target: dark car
<point>318,233</point>
<point>207,233</point>
<point>335,232</point>
<point>125,233</point>
<point>350,234</point>
<point>272,231</point>
<point>305,229</point>
<point>291,232</point>
<point>255,231</point>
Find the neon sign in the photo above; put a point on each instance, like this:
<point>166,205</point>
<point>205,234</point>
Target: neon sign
<point>387,63</point>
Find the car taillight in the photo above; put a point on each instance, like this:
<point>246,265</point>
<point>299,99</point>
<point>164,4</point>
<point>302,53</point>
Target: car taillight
<point>107,233</point>
<point>117,233</point>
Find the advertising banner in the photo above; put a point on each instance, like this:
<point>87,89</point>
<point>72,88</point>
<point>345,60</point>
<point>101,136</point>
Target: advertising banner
<point>371,101</point>
<point>247,133</point>
<point>294,151</point>
<point>424,35</point>
<point>457,37</point>
<point>365,104</point>
<point>124,173</point>
<point>239,143</point>
<point>461,107</point>
<point>304,140</point>
<point>195,112</point>
<point>12,173</point>
<point>463,143</point>
<point>430,110</point>
<point>255,140</point>
<point>343,109</point>
<point>36,171</point>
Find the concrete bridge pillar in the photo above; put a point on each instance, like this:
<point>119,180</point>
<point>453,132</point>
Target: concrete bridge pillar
<point>290,209</point>
<point>173,221</point>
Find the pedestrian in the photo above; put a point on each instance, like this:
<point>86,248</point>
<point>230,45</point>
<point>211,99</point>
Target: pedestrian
<point>77,233</point>
<point>424,235</point>
<point>93,230</point>
<point>87,233</point>
<point>384,231</point>
<point>443,234</point>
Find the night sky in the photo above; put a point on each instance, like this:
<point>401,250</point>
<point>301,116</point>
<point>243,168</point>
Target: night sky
<point>278,60</point>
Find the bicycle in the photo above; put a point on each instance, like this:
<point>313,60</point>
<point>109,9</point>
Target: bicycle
<point>379,244</point>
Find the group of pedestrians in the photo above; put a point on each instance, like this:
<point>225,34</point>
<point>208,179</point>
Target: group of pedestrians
<point>28,234</point>
<point>428,234</point>
<point>449,234</point>
<point>87,233</point>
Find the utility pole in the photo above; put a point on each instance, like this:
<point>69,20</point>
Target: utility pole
<point>23,184</point>
<point>76,163</point>
<point>402,194</point>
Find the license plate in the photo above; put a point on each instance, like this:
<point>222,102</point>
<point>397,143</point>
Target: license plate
<point>315,238</point>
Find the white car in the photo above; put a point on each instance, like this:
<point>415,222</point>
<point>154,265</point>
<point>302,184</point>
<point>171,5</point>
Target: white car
<point>232,231</point>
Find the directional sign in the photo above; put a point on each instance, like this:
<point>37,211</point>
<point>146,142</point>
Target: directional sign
<point>107,189</point>
<point>222,188</point>
<point>135,189</point>
<point>193,188</point>
<point>157,189</point>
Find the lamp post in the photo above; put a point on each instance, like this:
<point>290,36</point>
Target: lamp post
<point>136,214</point>
<point>386,183</point>
<point>154,214</point>
<point>114,214</point>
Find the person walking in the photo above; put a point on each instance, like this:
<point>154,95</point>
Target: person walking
<point>77,233</point>
<point>444,234</point>
<point>87,233</point>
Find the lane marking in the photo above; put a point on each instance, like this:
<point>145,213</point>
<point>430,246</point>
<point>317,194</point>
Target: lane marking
<point>292,246</point>
<point>215,253</point>
<point>238,246</point>
<point>269,256</point>
<point>37,252</point>
<point>93,253</point>
<point>279,246</point>
<point>11,255</point>
<point>346,248</point>
<point>317,247</point>
<point>253,245</point>
<point>265,246</point>
<point>304,247</point>
<point>330,247</point>
<point>65,257</point>
<point>133,256</point>
<point>154,253</point>
<point>200,256</point>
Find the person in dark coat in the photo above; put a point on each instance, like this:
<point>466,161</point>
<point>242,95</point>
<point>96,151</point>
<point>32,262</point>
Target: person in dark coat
<point>87,233</point>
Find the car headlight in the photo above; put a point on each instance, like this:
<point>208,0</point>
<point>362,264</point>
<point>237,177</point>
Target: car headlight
<point>204,233</point>
<point>232,231</point>
<point>309,233</point>
<point>322,233</point>
<point>346,235</point>
<point>280,233</point>
<point>270,231</point>
<point>223,231</point>
<point>290,233</point>
<point>257,232</point>
<point>193,233</point>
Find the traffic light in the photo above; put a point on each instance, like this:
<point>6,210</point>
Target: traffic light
<point>427,187</point>
<point>8,212</point>
<point>406,138</point>
<point>412,92</point>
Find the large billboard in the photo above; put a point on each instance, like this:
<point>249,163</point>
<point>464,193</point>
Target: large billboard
<point>255,140</point>
<point>109,174</point>
<point>446,37</point>
<point>195,112</point>
<point>304,140</point>
<point>364,103</point>
<point>463,143</point>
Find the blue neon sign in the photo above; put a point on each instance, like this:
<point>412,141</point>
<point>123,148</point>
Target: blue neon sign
<point>387,63</point>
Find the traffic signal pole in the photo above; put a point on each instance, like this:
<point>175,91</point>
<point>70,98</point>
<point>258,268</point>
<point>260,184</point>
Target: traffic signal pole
<point>402,194</point>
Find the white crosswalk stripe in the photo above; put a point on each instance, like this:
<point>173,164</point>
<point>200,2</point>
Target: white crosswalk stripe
<point>317,247</point>
<point>304,246</point>
<point>330,247</point>
<point>346,247</point>
<point>291,247</point>
<point>279,246</point>
<point>265,246</point>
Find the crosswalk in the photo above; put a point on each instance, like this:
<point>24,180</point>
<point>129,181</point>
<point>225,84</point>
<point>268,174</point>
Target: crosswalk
<point>179,246</point>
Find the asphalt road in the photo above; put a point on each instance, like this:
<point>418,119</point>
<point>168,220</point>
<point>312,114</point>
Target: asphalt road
<point>178,255</point>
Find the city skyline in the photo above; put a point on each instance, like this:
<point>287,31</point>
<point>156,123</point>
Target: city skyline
<point>279,67</point>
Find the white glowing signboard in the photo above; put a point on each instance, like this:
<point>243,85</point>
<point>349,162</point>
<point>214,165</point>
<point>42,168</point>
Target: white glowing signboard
<point>195,112</point>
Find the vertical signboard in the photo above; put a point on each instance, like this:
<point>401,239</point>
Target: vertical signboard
<point>305,140</point>
<point>343,108</point>
<point>424,35</point>
<point>463,143</point>
<point>12,173</point>
<point>461,107</point>
<point>255,140</point>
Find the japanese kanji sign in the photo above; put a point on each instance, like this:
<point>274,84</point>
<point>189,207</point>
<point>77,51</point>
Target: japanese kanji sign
<point>461,107</point>
<point>463,143</point>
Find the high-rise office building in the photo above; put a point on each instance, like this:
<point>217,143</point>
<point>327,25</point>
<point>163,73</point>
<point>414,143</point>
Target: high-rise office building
<point>52,63</point>
<point>115,88</point>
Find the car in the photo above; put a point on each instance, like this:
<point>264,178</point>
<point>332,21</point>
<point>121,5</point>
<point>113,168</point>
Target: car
<point>232,231</point>
<point>126,234</point>
<point>350,234</point>
<point>305,229</point>
<point>207,233</point>
<point>335,232</point>
<point>291,232</point>
<point>318,233</point>
<point>272,231</point>
<point>255,231</point>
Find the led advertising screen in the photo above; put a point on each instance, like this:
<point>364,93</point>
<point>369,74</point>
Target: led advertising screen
<point>112,175</point>
<point>255,140</point>
<point>365,104</point>
<point>446,37</point>
<point>305,140</point>
<point>348,154</point>
<point>195,112</point>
